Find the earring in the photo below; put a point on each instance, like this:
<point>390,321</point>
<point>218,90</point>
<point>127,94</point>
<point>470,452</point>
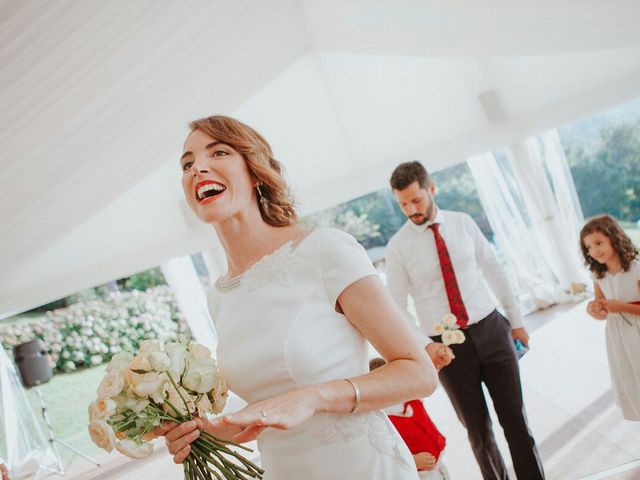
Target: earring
<point>261,198</point>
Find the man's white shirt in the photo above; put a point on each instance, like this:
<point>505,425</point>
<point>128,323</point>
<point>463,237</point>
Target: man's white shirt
<point>413,268</point>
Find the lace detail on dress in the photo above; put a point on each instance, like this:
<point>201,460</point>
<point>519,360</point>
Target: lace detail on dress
<point>375,425</point>
<point>271,269</point>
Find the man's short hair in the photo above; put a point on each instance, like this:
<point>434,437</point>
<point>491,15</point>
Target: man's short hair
<point>407,173</point>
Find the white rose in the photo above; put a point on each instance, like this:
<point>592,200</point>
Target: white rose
<point>220,394</point>
<point>176,401</point>
<point>145,384</point>
<point>140,362</point>
<point>102,435</point>
<point>120,401</point>
<point>438,328</point>
<point>449,320</point>
<point>201,375</point>
<point>449,337</point>
<point>204,406</point>
<point>160,393</point>
<point>134,450</point>
<point>200,351</point>
<point>460,338</point>
<point>119,361</point>
<point>136,404</point>
<point>160,361</point>
<point>101,409</point>
<point>111,385</point>
<point>177,352</point>
<point>148,346</point>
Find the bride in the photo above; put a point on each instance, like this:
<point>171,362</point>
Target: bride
<point>293,314</point>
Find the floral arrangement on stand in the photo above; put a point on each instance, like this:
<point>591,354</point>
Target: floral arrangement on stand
<point>87,334</point>
<point>172,383</point>
<point>450,330</point>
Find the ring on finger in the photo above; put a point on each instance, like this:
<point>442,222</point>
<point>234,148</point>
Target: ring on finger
<point>263,415</point>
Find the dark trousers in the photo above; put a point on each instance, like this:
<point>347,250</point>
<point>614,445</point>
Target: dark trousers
<point>488,356</point>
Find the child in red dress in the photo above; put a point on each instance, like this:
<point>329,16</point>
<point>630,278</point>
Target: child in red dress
<point>420,434</point>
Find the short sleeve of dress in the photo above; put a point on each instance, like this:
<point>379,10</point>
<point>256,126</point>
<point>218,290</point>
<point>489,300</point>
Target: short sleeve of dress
<point>342,261</point>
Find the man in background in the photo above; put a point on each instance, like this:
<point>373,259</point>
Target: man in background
<point>444,262</point>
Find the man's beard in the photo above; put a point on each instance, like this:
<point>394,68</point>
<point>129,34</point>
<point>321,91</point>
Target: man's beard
<point>421,219</point>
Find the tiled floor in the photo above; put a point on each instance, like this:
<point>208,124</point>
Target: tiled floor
<point>567,393</point>
<point>580,432</point>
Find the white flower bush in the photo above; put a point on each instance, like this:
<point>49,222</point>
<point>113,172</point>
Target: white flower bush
<point>87,334</point>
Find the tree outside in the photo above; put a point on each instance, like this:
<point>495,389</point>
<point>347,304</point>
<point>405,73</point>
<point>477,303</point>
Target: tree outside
<point>373,218</point>
<point>607,173</point>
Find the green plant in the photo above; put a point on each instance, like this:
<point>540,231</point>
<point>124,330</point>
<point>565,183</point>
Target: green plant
<point>147,279</point>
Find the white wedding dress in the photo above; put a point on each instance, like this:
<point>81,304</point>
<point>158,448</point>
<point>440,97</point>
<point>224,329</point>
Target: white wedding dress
<point>278,329</point>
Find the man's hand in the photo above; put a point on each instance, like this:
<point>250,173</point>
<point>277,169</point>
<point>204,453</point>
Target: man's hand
<point>440,354</point>
<point>521,334</point>
<point>4,471</point>
<point>424,461</point>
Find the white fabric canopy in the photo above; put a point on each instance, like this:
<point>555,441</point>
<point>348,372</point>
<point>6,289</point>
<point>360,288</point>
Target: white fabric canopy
<point>23,445</point>
<point>95,97</point>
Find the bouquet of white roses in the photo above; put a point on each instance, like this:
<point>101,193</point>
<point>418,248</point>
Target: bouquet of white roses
<point>174,383</point>
<point>449,329</point>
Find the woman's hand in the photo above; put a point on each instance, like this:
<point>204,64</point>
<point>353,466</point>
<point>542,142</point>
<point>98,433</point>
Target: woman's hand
<point>283,412</point>
<point>597,309</point>
<point>180,436</point>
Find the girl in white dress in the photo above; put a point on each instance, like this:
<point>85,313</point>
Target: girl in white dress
<point>613,259</point>
<point>293,315</point>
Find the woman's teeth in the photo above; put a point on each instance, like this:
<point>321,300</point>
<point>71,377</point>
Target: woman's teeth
<point>209,190</point>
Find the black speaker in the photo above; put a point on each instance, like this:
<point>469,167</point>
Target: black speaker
<point>33,364</point>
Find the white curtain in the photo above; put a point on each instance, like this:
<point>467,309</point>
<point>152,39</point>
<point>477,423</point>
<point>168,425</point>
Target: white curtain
<point>533,208</point>
<point>569,210</point>
<point>536,285</point>
<point>23,445</point>
<point>547,188</point>
<point>183,279</point>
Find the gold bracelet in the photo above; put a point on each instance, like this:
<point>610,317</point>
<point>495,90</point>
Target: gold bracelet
<point>356,389</point>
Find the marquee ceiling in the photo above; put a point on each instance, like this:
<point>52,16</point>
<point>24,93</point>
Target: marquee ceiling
<point>95,97</point>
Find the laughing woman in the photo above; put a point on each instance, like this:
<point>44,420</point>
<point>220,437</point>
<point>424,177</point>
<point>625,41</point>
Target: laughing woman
<point>293,315</point>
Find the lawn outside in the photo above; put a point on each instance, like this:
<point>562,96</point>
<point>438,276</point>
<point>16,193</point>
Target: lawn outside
<point>68,396</point>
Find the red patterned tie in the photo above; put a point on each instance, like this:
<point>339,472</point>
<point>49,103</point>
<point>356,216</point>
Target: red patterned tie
<point>449,276</point>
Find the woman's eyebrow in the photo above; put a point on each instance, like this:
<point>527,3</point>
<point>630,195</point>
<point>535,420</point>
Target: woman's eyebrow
<point>207,147</point>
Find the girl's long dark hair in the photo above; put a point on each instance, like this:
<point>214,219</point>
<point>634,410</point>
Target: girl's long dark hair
<point>620,241</point>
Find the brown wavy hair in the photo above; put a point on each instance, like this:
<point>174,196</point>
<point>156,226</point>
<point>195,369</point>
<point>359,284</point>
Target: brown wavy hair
<point>620,241</point>
<point>278,210</point>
